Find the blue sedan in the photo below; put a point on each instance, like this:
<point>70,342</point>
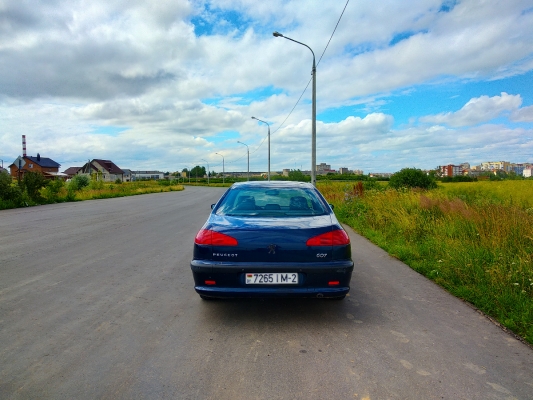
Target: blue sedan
<point>272,239</point>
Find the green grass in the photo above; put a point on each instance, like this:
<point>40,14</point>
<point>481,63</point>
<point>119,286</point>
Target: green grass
<point>474,239</point>
<point>59,192</point>
<point>101,190</point>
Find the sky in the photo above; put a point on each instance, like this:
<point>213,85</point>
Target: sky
<point>171,84</point>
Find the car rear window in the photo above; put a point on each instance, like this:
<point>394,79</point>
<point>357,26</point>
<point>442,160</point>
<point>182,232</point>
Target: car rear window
<point>272,202</point>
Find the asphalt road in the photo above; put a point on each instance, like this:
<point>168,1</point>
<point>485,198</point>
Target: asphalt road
<point>97,302</point>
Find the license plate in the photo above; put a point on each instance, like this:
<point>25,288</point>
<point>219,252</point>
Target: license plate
<point>272,279</point>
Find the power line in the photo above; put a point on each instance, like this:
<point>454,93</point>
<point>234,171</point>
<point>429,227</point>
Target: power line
<point>306,86</point>
<point>331,37</point>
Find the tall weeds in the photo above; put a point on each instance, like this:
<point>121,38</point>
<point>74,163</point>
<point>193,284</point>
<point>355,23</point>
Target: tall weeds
<point>101,190</point>
<point>474,240</point>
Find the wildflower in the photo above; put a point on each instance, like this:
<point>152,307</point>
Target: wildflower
<point>516,284</point>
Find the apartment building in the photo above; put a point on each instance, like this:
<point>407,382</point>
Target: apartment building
<point>451,170</point>
<point>519,169</point>
<point>496,165</point>
<point>323,169</point>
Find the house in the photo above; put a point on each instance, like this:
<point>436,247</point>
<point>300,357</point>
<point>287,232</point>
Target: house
<point>127,175</point>
<point>104,170</point>
<point>70,172</point>
<point>147,175</point>
<point>41,165</point>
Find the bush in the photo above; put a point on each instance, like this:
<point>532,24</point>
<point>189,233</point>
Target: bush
<point>10,195</point>
<point>52,190</point>
<point>5,186</point>
<point>458,178</point>
<point>34,182</point>
<point>297,175</point>
<point>56,185</point>
<point>95,184</point>
<point>118,181</point>
<point>412,178</point>
<point>78,182</point>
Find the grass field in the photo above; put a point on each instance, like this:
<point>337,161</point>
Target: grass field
<point>101,190</point>
<point>474,239</point>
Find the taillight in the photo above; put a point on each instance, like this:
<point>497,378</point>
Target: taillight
<point>334,238</point>
<point>211,238</point>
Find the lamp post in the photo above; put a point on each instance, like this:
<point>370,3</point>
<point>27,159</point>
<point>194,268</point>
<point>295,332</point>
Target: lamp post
<point>248,151</point>
<point>313,122</point>
<point>223,172</point>
<point>260,120</point>
<point>207,171</point>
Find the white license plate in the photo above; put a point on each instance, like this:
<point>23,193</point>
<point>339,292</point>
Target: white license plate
<point>290,278</point>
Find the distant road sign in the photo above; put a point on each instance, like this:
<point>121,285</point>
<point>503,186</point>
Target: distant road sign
<point>21,160</point>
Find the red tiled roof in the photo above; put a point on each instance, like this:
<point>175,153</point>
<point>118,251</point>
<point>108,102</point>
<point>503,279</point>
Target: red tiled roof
<point>109,166</point>
<point>72,170</point>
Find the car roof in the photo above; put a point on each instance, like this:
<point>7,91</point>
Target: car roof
<point>273,184</point>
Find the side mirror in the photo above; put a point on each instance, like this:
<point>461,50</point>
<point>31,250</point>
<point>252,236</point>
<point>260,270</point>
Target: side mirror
<point>332,206</point>
<point>212,206</point>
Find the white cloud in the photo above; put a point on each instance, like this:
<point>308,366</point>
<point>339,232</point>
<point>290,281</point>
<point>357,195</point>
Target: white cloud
<point>524,114</point>
<point>67,67</point>
<point>478,110</point>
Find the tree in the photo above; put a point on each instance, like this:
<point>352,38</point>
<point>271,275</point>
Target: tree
<point>297,175</point>
<point>412,178</point>
<point>8,192</point>
<point>198,171</point>
<point>78,182</point>
<point>33,182</point>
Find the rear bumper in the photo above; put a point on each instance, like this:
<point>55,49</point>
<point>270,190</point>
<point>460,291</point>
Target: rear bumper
<point>262,292</point>
<point>313,279</point>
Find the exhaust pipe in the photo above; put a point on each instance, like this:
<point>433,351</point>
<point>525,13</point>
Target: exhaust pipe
<point>320,295</point>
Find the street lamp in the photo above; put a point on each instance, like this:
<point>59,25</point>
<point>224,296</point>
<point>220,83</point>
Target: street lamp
<point>313,122</point>
<point>260,120</point>
<point>223,172</point>
<point>207,171</point>
<point>248,150</point>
